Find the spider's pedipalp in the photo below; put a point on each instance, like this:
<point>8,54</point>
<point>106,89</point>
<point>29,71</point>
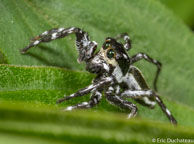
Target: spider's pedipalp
<point>84,46</point>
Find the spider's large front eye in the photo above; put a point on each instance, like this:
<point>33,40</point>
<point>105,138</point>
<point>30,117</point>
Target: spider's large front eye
<point>110,53</point>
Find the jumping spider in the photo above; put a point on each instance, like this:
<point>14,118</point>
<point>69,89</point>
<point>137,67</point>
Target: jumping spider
<point>116,75</point>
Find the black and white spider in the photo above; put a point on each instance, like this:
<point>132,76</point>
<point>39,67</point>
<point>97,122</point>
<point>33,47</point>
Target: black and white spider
<point>115,74</point>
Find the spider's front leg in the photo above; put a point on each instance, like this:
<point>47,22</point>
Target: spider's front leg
<point>118,101</point>
<point>94,100</point>
<point>85,47</point>
<point>141,56</point>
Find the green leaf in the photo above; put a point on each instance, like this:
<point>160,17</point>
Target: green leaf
<point>27,108</point>
<point>28,94</point>
<point>82,126</point>
<point>182,9</point>
<point>152,28</point>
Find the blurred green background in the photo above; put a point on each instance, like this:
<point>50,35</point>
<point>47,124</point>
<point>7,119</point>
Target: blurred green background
<point>30,84</point>
<point>184,9</point>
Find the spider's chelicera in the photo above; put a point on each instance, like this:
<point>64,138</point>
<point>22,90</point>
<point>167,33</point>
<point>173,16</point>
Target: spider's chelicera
<point>116,76</point>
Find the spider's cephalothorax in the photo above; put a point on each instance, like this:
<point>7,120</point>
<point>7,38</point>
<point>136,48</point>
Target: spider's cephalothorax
<point>110,60</point>
<point>116,75</point>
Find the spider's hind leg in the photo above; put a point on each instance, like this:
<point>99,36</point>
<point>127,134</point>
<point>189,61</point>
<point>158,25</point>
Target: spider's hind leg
<point>165,110</point>
<point>94,100</point>
<point>148,93</point>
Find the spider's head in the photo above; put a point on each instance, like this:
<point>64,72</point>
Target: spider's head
<point>111,57</point>
<point>115,55</point>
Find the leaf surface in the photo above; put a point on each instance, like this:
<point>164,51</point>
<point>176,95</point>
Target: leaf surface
<point>23,89</point>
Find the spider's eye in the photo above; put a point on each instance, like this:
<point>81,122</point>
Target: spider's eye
<point>110,53</point>
<point>107,45</point>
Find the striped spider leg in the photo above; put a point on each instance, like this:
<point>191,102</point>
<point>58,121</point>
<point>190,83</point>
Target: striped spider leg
<point>115,99</point>
<point>85,47</point>
<point>95,89</point>
<point>126,38</point>
<point>115,74</point>
<point>143,97</point>
<point>139,90</point>
<point>137,94</point>
<point>140,56</point>
<point>145,56</point>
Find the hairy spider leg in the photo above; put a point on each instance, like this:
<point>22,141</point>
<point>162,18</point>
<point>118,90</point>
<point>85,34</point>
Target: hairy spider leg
<point>88,89</point>
<point>94,100</point>
<point>117,101</point>
<point>141,56</point>
<point>165,110</point>
<point>137,94</point>
<point>139,83</point>
<point>85,47</point>
<point>125,36</point>
<point>140,94</point>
